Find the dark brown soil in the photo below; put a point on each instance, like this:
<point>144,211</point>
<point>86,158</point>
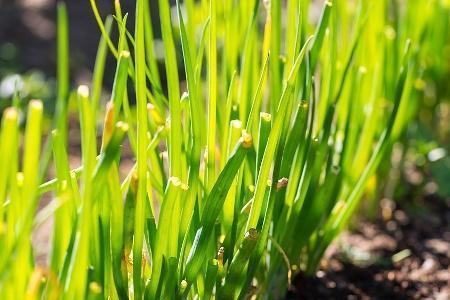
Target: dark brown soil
<point>405,255</point>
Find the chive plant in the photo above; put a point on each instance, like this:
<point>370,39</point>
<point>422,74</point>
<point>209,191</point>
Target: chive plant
<point>242,175</point>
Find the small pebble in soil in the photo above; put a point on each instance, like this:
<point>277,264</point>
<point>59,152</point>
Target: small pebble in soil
<point>391,226</point>
<point>320,274</point>
<point>391,276</point>
<point>401,217</point>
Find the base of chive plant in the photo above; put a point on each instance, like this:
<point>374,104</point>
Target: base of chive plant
<point>238,199</point>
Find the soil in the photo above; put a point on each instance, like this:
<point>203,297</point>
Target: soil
<point>403,255</point>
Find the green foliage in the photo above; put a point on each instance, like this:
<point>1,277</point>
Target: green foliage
<point>248,171</point>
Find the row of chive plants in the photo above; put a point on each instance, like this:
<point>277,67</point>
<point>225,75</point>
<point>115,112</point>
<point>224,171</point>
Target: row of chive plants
<point>242,176</point>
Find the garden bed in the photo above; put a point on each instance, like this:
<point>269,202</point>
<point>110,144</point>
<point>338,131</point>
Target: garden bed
<point>405,256</point>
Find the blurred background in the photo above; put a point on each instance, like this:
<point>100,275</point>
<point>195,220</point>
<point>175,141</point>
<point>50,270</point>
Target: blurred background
<point>28,47</point>
<point>28,35</point>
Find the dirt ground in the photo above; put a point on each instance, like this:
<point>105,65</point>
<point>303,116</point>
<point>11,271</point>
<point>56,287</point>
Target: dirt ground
<point>405,255</point>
